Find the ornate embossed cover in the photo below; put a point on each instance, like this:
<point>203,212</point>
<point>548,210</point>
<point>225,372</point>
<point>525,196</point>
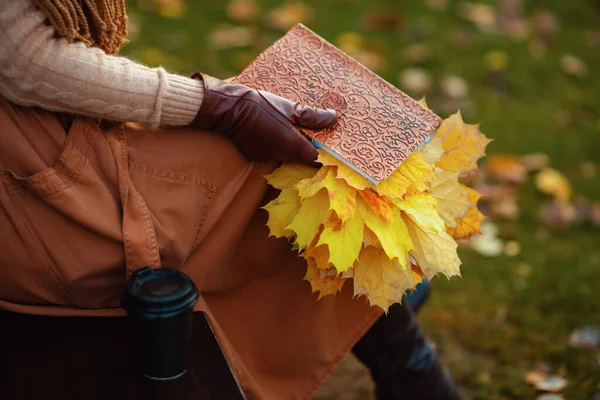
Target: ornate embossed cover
<point>380,126</point>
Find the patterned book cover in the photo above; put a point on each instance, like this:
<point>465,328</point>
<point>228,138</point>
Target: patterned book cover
<point>380,125</point>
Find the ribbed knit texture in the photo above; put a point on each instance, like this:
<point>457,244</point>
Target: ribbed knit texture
<point>38,69</point>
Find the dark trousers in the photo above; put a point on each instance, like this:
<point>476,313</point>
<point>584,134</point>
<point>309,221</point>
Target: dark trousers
<point>400,360</point>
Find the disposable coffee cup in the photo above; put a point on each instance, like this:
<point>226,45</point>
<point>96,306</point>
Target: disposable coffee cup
<point>160,303</point>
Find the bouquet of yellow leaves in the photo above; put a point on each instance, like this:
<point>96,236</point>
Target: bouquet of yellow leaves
<point>386,237</point>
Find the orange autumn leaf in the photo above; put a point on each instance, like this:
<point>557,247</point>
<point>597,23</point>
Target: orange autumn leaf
<point>324,285</point>
<point>470,224</point>
<point>378,204</point>
<point>417,273</point>
<point>320,255</point>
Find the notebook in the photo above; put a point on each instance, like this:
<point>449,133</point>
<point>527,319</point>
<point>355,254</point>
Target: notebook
<point>379,126</point>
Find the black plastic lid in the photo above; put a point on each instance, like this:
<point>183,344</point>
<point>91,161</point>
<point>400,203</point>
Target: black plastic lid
<point>159,293</point>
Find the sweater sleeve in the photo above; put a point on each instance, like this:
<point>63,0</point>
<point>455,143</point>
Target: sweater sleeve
<point>38,69</point>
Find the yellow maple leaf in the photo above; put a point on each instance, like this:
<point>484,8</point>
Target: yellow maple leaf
<point>470,224</point>
<point>414,173</point>
<point>453,201</point>
<point>323,284</point>
<point>422,208</point>
<point>463,144</point>
<point>433,151</point>
<point>282,211</point>
<point>311,215</point>
<point>352,178</point>
<point>308,187</point>
<point>342,198</point>
<point>393,236</point>
<point>288,174</point>
<point>345,243</point>
<point>381,280</point>
<point>434,251</point>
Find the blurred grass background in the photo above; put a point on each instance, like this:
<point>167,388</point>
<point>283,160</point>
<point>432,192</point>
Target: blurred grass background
<point>528,72</point>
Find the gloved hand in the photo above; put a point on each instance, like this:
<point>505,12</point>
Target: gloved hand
<point>260,124</point>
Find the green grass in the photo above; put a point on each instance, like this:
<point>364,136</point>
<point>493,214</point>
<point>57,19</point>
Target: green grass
<point>494,324</point>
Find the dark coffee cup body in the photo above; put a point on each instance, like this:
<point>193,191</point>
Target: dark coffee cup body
<point>160,303</point>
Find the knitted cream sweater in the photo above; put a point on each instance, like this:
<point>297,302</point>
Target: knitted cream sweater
<point>38,69</point>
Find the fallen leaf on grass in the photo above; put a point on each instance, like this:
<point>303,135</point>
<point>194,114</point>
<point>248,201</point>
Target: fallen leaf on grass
<point>558,215</point>
<point>551,384</point>
<point>227,36</point>
<point>383,19</point>
<point>506,207</point>
<point>455,87</point>
<point>242,10</point>
<point>416,81</point>
<point>573,65</point>
<point>496,60</point>
<point>545,25</point>
<point>549,396</point>
<point>506,168</point>
<point>553,183</point>
<point>487,243</point>
<point>540,378</point>
<point>170,8</point>
<point>535,161</point>
<point>288,15</point>
<point>437,5</point>
<point>512,248</point>
<point>585,338</point>
<point>533,377</point>
<point>481,15</point>
<point>587,211</point>
<point>417,53</point>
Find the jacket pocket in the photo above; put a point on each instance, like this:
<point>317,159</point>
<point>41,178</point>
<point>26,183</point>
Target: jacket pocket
<point>67,219</point>
<point>179,203</point>
<point>26,276</point>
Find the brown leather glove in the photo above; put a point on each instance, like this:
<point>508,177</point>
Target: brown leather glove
<point>260,123</point>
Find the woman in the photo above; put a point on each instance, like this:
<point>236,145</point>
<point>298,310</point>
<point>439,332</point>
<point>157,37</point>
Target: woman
<point>87,199</point>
